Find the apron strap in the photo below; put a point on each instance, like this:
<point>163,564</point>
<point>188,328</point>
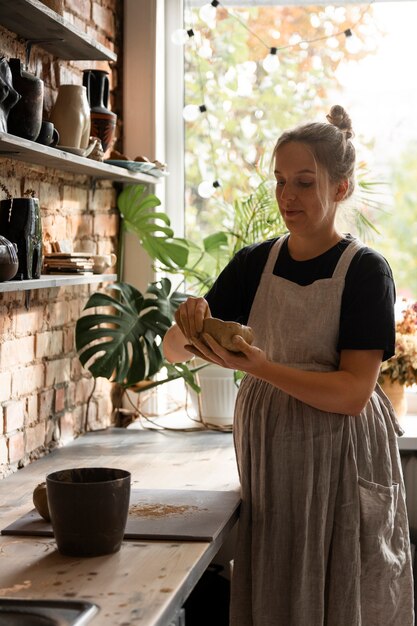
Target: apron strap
<point>346,257</point>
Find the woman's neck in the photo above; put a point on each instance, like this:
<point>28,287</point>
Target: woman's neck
<point>305,248</point>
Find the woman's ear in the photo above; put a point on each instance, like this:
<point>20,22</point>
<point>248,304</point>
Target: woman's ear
<point>342,190</point>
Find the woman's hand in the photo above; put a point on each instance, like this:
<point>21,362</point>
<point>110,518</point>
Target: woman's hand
<point>249,358</point>
<point>190,316</point>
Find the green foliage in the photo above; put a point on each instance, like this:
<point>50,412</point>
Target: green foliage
<point>398,225</point>
<point>151,227</point>
<point>122,341</point>
<point>247,108</point>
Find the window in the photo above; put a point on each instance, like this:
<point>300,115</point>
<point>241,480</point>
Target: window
<point>318,63</point>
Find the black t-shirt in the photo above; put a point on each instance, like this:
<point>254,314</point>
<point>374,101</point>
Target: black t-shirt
<point>367,311</point>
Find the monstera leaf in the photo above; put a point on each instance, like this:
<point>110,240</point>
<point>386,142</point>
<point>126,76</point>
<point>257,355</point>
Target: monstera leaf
<point>152,227</point>
<point>123,342</point>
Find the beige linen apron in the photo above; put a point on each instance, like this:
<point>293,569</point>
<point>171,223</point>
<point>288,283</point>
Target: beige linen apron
<point>323,532</point>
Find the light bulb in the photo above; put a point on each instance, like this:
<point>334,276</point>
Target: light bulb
<point>179,37</point>
<point>192,111</point>
<point>208,12</point>
<point>206,189</point>
<point>271,62</point>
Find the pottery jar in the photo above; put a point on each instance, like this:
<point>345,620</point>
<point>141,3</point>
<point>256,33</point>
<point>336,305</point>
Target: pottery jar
<point>25,118</point>
<point>71,116</point>
<point>8,95</point>
<point>88,508</point>
<point>20,223</point>
<point>8,259</point>
<point>103,121</point>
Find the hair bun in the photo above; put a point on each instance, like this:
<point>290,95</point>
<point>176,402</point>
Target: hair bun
<point>339,118</point>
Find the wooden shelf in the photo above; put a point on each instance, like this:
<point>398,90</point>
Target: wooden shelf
<point>35,22</point>
<point>36,154</point>
<point>47,281</point>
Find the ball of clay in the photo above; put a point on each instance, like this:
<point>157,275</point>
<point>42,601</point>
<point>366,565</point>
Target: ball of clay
<point>40,500</point>
<point>223,332</point>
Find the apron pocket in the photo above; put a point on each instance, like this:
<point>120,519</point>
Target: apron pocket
<point>383,551</point>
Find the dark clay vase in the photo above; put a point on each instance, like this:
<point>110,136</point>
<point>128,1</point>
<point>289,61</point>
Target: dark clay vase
<point>103,121</point>
<point>25,119</point>
<point>20,223</point>
<point>8,259</point>
<point>88,508</point>
<point>8,95</point>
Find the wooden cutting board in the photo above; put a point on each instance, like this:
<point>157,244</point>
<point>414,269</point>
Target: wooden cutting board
<point>164,514</point>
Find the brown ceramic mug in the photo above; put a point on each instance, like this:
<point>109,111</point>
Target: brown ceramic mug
<point>48,135</point>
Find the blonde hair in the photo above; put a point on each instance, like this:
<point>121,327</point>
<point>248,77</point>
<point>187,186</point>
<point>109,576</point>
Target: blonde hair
<point>330,145</point>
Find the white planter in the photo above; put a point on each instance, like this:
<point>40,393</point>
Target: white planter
<point>216,403</point>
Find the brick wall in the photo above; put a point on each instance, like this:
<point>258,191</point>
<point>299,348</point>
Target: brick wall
<point>44,391</point>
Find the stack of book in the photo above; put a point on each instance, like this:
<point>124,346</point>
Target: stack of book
<point>67,263</point>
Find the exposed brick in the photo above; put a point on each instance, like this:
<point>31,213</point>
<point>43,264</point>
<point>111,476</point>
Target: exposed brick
<point>66,425</point>
<point>105,224</point>
<point>32,411</point>
<point>27,380</point>
<point>60,395</point>
<point>4,452</point>
<point>35,437</point>
<point>69,340</point>
<point>49,344</point>
<point>83,390</point>
<point>46,404</point>
<point>79,225</point>
<point>57,371</point>
<point>103,18</point>
<point>28,322</point>
<point>59,314</point>
<point>14,415</point>
<point>52,431</point>
<point>7,323</point>
<point>17,352</point>
<point>16,447</point>
<point>5,385</point>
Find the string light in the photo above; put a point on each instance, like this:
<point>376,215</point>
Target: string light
<point>271,62</point>
<point>206,189</point>
<point>192,111</point>
<point>181,36</point>
<point>208,11</point>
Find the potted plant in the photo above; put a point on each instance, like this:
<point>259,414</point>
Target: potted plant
<point>120,332</point>
<point>400,370</point>
<point>248,220</point>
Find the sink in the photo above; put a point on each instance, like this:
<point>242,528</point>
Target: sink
<point>22,612</point>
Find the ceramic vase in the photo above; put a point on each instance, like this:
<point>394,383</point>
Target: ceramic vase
<point>8,259</point>
<point>88,508</point>
<point>25,118</point>
<point>395,392</point>
<point>20,223</point>
<point>71,116</point>
<point>8,95</point>
<point>103,121</point>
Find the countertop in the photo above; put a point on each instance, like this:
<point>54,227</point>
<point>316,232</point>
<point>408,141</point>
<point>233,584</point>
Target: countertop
<point>146,582</point>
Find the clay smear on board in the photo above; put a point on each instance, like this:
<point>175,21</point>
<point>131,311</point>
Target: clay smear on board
<point>161,510</point>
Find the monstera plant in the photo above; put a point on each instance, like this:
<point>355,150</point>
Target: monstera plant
<point>121,339</point>
<point>119,335</point>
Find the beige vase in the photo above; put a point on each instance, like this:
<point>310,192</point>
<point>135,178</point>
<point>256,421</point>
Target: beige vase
<point>395,392</point>
<point>71,116</point>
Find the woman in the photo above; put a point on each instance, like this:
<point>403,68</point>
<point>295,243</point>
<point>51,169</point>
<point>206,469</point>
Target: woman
<point>323,533</point>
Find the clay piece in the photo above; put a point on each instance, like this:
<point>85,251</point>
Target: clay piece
<point>40,500</point>
<point>223,332</point>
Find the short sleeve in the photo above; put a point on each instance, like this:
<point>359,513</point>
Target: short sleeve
<point>232,294</point>
<point>367,320</point>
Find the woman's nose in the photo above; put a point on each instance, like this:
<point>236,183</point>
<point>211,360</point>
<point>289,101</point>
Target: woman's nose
<point>287,192</point>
